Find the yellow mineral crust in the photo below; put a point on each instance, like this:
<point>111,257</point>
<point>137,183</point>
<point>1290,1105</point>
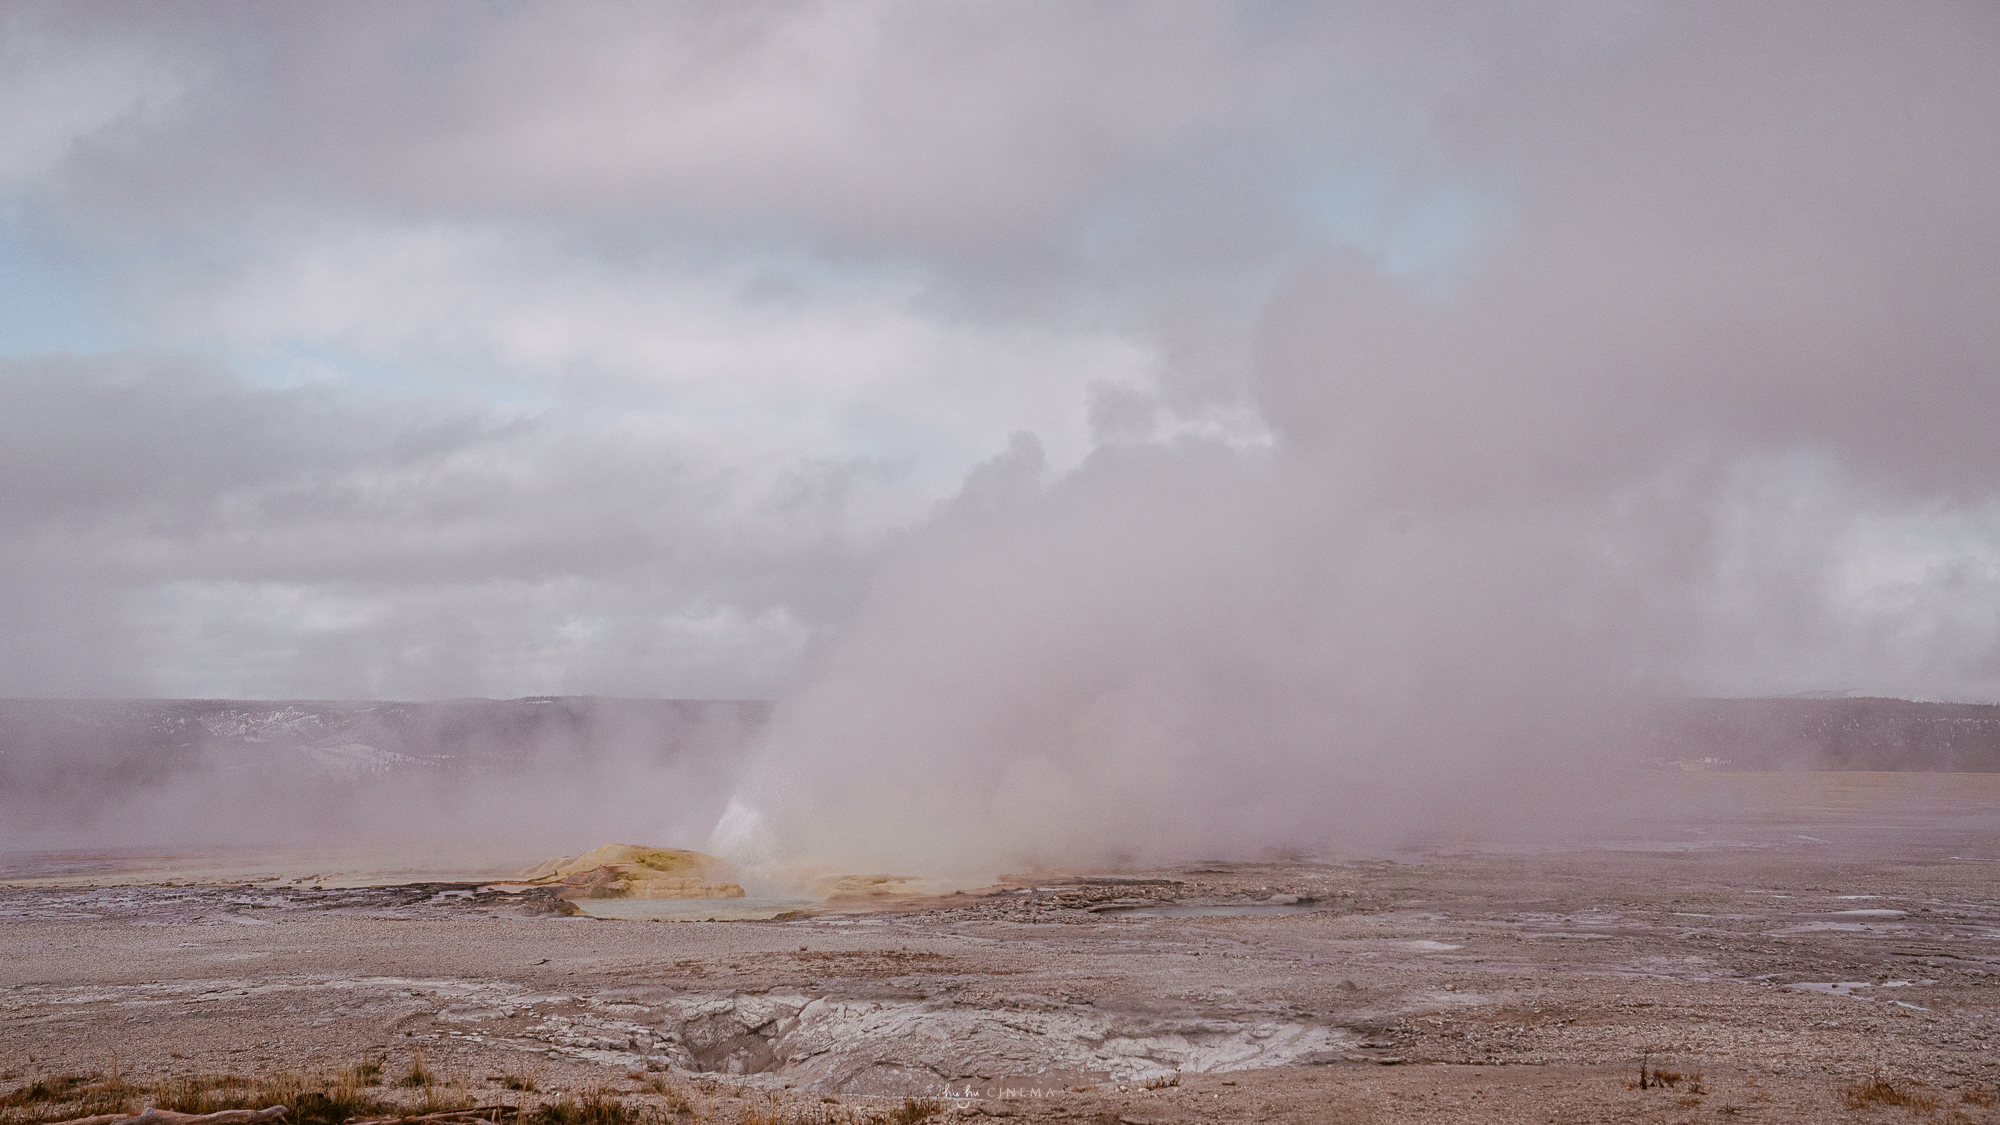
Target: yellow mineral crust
<point>843,888</point>
<point>631,871</point>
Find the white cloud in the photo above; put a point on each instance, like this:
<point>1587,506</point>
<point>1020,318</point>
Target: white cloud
<point>63,90</point>
<point>561,316</point>
<point>749,362</point>
<point>1824,584</point>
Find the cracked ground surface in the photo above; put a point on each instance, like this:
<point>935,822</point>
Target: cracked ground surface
<point>1782,962</point>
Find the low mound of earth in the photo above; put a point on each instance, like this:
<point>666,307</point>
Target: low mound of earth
<point>633,872</point>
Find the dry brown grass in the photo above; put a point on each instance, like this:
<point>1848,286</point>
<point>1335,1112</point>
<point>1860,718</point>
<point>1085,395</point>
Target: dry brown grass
<point>1880,1091</point>
<point>596,1107</point>
<point>310,1099</point>
<point>54,1097</point>
<point>47,1088</point>
<point>914,1110</point>
<point>419,1074</point>
<point>359,1092</point>
<point>675,1099</point>
<point>1660,1078</point>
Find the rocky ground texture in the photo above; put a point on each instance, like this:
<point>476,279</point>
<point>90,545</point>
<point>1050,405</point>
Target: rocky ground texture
<point>1846,972</point>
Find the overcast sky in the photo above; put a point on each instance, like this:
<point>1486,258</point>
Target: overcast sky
<point>417,350</point>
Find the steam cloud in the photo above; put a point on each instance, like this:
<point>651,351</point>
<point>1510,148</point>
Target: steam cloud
<point>1112,431</point>
<point>1743,265</point>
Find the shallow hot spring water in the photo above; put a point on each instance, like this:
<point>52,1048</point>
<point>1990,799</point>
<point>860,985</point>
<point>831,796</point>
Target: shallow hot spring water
<point>751,909</point>
<point>1218,910</point>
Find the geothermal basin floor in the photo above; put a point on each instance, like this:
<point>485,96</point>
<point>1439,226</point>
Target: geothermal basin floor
<point>1793,971</point>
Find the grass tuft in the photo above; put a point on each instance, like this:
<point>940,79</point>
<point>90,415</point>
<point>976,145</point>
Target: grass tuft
<point>597,1107</point>
<point>54,1097</point>
<point>360,1092</point>
<point>1659,1078</point>
<point>48,1088</point>
<point>310,1099</point>
<point>914,1110</point>
<point>1880,1091</point>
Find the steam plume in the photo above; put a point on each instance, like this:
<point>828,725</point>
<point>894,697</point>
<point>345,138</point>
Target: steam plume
<point>1741,261</point>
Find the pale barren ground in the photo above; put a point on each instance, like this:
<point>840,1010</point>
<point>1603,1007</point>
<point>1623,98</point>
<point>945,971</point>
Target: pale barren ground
<point>1784,956</point>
